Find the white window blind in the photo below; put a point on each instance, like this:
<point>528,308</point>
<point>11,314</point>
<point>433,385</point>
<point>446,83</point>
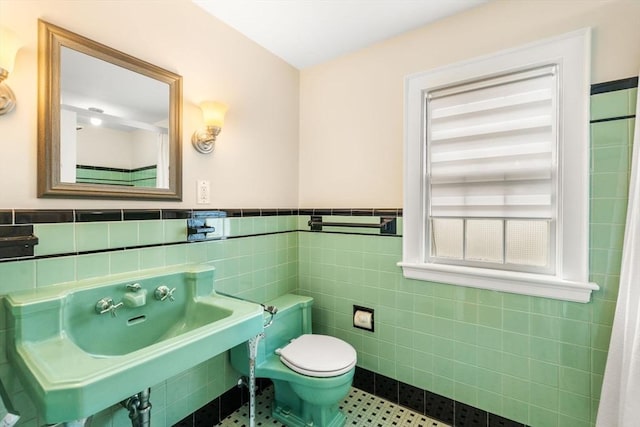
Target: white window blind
<point>491,157</point>
<point>496,171</point>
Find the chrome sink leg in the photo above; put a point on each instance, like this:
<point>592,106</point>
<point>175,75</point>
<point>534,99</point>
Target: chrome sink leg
<point>253,353</point>
<point>144,410</point>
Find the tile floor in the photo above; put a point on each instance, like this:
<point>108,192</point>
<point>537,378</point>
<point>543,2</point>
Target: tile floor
<point>361,408</point>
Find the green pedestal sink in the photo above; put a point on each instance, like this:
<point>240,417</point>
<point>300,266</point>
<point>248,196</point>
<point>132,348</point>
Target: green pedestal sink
<point>74,361</point>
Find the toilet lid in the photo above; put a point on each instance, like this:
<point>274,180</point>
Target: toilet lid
<point>318,355</point>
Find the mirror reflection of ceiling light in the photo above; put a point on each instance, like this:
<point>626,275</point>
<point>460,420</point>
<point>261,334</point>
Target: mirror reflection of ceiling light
<point>96,121</point>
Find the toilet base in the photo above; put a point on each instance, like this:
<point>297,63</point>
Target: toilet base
<point>292,411</point>
<point>290,419</point>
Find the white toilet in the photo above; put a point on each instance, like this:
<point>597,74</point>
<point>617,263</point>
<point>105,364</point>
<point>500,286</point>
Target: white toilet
<point>311,374</point>
<point>318,355</point>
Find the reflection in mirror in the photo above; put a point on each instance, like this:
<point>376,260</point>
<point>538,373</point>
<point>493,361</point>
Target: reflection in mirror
<point>111,124</point>
<point>109,134</point>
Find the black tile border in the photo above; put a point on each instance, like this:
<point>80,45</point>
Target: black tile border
<point>467,416</point>
<point>234,213</point>
<point>386,388</point>
<point>54,216</point>
<point>176,213</point>
<point>141,214</point>
<point>364,380</point>
<point>96,215</point>
<point>250,212</point>
<point>362,212</point>
<point>609,119</point>
<point>43,216</point>
<point>287,212</point>
<point>397,212</point>
<point>6,217</point>
<point>62,216</point>
<point>411,397</point>
<point>345,212</point>
<point>439,407</point>
<point>430,404</point>
<point>611,86</point>
<point>498,421</point>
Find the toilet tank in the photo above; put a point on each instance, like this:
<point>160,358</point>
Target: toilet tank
<point>292,320</point>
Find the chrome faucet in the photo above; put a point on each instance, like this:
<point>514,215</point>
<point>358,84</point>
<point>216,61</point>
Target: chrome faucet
<point>163,292</point>
<point>106,305</point>
<point>135,287</point>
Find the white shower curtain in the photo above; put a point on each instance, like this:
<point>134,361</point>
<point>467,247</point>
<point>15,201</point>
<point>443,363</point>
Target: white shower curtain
<point>620,398</point>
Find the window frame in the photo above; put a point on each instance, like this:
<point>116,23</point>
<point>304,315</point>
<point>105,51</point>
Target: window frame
<point>571,53</point>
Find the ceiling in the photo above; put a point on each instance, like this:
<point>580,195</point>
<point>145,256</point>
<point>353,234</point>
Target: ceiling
<point>308,32</point>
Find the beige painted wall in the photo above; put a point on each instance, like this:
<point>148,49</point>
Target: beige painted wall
<point>351,109</point>
<point>256,159</point>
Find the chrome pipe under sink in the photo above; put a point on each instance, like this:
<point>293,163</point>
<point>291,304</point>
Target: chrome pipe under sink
<point>139,408</point>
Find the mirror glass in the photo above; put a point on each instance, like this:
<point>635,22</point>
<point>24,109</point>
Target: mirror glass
<point>109,123</point>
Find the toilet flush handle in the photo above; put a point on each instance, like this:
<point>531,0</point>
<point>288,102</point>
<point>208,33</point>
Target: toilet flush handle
<point>272,310</point>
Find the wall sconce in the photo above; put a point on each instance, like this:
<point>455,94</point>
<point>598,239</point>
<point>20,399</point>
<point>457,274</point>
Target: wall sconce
<point>9,46</point>
<point>213,114</point>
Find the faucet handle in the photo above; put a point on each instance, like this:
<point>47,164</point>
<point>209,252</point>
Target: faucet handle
<point>114,308</point>
<point>163,292</point>
<point>106,305</point>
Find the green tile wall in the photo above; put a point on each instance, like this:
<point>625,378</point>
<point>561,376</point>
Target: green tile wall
<point>255,267</point>
<point>537,361</point>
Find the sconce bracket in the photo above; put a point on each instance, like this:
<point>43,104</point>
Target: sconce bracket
<point>203,140</point>
<point>7,99</point>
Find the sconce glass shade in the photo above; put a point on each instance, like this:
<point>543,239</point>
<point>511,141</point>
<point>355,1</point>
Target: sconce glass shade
<point>213,113</point>
<point>9,46</point>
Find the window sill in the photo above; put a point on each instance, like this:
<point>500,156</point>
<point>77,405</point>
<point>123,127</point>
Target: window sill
<point>499,280</point>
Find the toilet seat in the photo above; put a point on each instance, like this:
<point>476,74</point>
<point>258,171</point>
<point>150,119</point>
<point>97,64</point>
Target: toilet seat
<point>318,355</point>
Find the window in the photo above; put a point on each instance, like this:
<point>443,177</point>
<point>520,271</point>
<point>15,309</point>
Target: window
<point>496,171</point>
<point>490,158</point>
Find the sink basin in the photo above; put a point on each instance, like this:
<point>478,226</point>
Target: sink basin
<point>75,362</point>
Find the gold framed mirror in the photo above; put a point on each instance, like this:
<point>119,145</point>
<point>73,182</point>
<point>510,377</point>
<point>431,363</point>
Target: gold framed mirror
<point>109,124</point>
